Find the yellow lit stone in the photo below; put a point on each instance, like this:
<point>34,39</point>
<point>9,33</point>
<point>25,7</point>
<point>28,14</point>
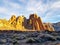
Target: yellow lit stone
<point>34,23</point>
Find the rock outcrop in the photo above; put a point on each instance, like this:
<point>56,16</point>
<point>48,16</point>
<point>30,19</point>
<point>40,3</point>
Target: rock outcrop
<point>20,23</point>
<point>4,25</point>
<point>36,22</point>
<point>48,26</point>
<point>12,20</point>
<point>17,22</point>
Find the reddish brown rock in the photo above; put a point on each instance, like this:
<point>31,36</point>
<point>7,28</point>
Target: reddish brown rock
<point>48,26</point>
<point>37,24</point>
<point>34,23</point>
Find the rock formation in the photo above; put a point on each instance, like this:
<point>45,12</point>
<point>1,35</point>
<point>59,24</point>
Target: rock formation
<point>20,23</point>
<point>36,22</point>
<point>12,20</point>
<point>4,25</point>
<point>17,22</point>
<point>48,26</point>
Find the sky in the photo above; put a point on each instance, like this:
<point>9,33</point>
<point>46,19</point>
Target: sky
<point>48,10</point>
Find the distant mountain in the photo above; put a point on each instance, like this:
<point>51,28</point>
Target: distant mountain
<point>20,23</point>
<point>56,26</point>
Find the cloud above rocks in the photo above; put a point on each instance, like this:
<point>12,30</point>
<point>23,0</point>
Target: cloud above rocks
<point>48,10</point>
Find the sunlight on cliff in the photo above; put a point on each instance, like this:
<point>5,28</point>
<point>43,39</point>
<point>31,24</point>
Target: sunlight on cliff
<point>20,23</point>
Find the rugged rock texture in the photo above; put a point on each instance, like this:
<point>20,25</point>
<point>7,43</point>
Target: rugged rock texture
<point>4,25</point>
<point>20,23</point>
<point>36,22</point>
<point>48,26</point>
<point>29,38</point>
<point>12,20</point>
<point>17,22</point>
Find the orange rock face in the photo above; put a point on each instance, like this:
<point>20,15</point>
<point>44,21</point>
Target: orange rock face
<point>48,26</point>
<point>34,23</point>
<point>37,24</point>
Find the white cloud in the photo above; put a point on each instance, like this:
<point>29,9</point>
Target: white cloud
<point>3,10</point>
<point>56,5</point>
<point>42,7</point>
<point>37,6</point>
<point>53,12</point>
<point>52,16</point>
<point>14,5</point>
<point>10,8</point>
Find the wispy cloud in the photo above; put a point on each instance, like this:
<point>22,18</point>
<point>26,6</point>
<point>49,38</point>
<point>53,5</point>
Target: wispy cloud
<point>3,10</point>
<point>56,5</point>
<point>36,6</point>
<point>49,10</point>
<point>15,5</point>
<point>9,8</point>
<point>53,13</point>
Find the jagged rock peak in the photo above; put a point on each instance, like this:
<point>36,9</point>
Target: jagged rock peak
<point>36,22</point>
<point>48,26</point>
<point>12,19</point>
<point>33,23</point>
<point>33,16</point>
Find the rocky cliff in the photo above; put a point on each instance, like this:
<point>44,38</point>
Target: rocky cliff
<point>20,23</point>
<point>36,22</point>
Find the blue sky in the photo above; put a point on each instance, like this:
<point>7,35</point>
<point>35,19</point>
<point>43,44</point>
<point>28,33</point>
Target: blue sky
<point>48,10</point>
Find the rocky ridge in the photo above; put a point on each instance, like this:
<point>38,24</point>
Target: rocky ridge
<point>20,23</point>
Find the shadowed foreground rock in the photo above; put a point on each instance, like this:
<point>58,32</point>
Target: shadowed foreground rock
<point>29,38</point>
<point>20,23</point>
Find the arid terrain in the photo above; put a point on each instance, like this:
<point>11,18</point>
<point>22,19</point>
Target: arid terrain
<point>32,31</point>
<point>29,22</point>
<point>29,38</point>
